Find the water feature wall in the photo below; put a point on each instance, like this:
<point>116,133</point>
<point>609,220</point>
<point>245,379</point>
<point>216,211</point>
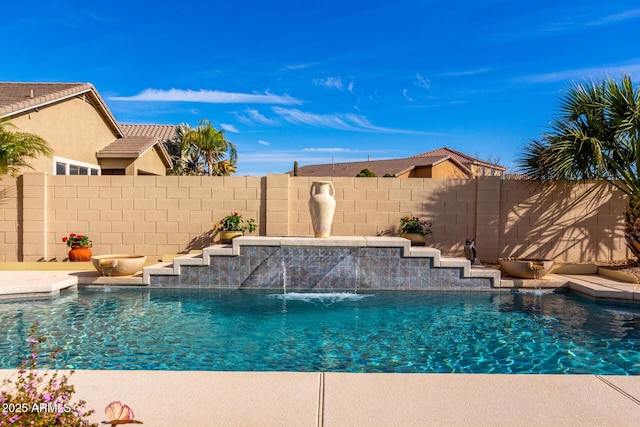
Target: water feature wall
<point>320,265</point>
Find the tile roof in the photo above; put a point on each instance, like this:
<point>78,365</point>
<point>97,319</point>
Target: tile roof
<point>127,147</point>
<point>460,157</point>
<point>161,132</point>
<point>379,167</point>
<point>18,97</point>
<point>133,147</point>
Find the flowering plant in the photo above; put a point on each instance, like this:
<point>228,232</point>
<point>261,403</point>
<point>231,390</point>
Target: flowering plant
<point>77,240</point>
<point>39,398</point>
<point>413,224</point>
<point>235,222</point>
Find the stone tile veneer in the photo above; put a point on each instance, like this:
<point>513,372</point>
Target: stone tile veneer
<point>321,269</point>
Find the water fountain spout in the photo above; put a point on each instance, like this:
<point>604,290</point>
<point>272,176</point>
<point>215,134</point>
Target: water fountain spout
<point>284,278</point>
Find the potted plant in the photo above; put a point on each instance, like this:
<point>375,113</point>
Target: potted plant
<point>80,247</point>
<point>414,229</point>
<point>233,225</point>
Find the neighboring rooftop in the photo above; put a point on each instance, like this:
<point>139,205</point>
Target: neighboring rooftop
<point>395,167</point>
<point>17,98</point>
<point>465,159</point>
<point>161,132</point>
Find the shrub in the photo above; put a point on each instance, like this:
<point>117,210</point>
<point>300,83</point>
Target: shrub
<point>366,173</point>
<point>235,222</point>
<point>413,224</point>
<point>40,398</point>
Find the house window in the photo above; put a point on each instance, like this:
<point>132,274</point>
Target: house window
<point>72,167</point>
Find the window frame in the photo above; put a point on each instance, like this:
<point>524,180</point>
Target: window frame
<point>68,163</point>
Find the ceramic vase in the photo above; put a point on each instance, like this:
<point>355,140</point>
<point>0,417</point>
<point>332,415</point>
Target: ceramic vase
<point>322,206</point>
<point>80,254</point>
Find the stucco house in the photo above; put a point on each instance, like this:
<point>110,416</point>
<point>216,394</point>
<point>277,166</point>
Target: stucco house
<point>440,163</point>
<point>85,137</point>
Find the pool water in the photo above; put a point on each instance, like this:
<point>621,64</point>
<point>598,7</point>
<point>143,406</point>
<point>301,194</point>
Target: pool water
<point>419,332</point>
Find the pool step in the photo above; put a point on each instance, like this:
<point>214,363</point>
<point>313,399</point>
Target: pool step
<point>438,261</point>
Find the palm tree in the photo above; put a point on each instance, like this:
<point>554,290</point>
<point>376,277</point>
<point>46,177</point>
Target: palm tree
<point>186,157</point>
<point>597,136</point>
<point>16,148</point>
<point>214,146</point>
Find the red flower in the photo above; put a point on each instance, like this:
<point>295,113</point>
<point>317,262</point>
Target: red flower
<point>64,240</point>
<point>72,235</point>
<point>235,213</point>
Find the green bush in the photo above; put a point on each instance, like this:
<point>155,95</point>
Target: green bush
<point>366,173</point>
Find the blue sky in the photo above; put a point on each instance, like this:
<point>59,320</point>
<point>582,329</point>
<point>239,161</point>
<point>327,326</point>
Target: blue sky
<point>308,81</point>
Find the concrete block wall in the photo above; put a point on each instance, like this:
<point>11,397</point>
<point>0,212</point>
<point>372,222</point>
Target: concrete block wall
<point>158,215</point>
<point>10,189</point>
<point>145,215</point>
<point>581,222</point>
<point>372,206</point>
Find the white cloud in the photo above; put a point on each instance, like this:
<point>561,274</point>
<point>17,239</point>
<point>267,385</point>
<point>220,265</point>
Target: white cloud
<point>348,122</point>
<point>208,96</point>
<point>253,116</point>
<point>422,82</point>
<point>465,73</point>
<point>405,93</point>
<point>331,150</point>
<point>229,128</point>
<point>262,142</point>
<point>350,87</point>
<point>615,18</point>
<point>330,82</point>
<point>582,73</point>
<point>298,66</point>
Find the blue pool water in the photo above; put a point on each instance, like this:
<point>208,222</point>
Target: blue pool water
<point>465,332</point>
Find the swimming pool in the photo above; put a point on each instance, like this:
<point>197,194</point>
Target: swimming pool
<point>420,332</point>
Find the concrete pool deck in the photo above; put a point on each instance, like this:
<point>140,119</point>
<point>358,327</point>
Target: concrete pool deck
<point>174,398</point>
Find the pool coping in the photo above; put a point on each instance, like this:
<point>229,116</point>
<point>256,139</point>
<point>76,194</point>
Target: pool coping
<point>29,284</point>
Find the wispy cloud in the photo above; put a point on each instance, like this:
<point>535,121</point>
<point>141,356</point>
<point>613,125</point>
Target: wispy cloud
<point>405,93</point>
<point>252,117</point>
<point>331,150</point>
<point>263,142</point>
<point>422,82</point>
<point>465,73</point>
<point>350,86</point>
<point>582,73</point>
<point>330,82</point>
<point>298,66</point>
<point>347,122</point>
<point>208,96</point>
<point>615,18</point>
<point>229,128</point>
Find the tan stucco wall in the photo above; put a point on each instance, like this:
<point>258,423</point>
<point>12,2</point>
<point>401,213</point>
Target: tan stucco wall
<point>420,172</point>
<point>73,129</point>
<point>150,163</point>
<point>447,170</point>
<point>159,215</point>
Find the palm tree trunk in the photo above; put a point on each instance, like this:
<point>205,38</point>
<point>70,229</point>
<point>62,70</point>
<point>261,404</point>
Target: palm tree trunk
<point>632,225</point>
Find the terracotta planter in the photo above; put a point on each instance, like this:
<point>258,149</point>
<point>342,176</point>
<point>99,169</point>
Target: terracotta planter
<point>80,254</point>
<point>227,236</point>
<point>322,206</point>
<point>417,239</point>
